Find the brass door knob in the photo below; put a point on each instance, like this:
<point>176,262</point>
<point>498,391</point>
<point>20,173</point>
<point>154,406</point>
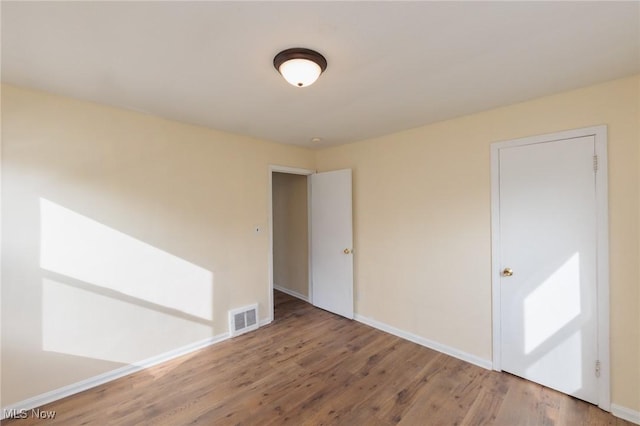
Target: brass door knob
<point>346,251</point>
<point>507,272</point>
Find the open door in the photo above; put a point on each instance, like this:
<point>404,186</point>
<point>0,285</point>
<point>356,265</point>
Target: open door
<point>332,242</point>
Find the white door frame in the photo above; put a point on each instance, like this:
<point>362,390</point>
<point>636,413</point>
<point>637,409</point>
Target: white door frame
<point>602,242</point>
<point>291,171</point>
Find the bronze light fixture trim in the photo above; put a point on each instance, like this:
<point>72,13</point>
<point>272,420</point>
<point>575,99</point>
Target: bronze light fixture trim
<point>301,67</point>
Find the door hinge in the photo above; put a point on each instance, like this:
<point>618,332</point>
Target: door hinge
<point>595,163</point>
<point>597,368</point>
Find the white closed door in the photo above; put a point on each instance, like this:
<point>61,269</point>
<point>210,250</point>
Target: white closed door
<point>548,291</point>
<point>332,242</point>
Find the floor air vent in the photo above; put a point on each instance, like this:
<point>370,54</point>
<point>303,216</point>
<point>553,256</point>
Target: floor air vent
<point>242,320</point>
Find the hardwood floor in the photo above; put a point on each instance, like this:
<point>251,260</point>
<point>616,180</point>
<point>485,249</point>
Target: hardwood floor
<point>310,367</point>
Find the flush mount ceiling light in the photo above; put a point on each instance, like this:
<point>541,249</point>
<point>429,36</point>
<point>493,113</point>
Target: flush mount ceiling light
<point>299,66</point>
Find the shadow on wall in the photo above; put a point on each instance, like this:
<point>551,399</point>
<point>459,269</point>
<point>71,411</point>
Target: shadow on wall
<point>108,296</point>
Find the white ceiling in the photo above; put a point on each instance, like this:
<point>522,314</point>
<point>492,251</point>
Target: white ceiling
<point>392,65</point>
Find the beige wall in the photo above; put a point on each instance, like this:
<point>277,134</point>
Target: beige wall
<point>290,233</point>
<point>124,236</point>
<point>175,207</point>
<point>422,220</point>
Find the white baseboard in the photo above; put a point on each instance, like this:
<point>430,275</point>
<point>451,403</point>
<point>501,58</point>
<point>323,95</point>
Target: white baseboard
<point>480,362</point>
<point>625,413</point>
<point>291,293</point>
<point>100,379</point>
<point>617,410</point>
<point>265,321</point>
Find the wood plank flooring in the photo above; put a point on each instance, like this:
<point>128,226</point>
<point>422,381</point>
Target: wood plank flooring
<point>310,367</point>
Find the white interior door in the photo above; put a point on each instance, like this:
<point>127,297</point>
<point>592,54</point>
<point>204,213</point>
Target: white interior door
<point>332,242</point>
<point>548,256</point>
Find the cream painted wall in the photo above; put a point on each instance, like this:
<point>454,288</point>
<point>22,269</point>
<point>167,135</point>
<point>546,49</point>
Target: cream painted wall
<point>422,220</point>
<point>172,200</point>
<point>124,236</point>
<point>290,233</point>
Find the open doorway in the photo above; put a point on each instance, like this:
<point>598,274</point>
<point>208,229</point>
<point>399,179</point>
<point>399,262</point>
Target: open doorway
<point>329,238</point>
<point>290,235</point>
<point>289,231</point>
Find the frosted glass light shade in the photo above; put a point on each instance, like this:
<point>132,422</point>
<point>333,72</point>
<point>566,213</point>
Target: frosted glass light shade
<point>300,72</point>
<point>301,67</point>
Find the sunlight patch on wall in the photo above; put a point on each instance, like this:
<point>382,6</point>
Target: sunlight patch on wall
<point>83,249</point>
<point>84,323</point>
<point>553,304</point>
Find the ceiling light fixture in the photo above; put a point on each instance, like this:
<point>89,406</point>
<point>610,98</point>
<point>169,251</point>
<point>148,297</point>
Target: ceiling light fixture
<point>299,66</point>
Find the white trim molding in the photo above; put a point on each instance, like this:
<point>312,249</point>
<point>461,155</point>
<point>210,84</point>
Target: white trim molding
<point>472,359</point>
<point>291,292</point>
<point>602,240</point>
<point>265,321</point>
<point>83,385</point>
<point>291,170</point>
<point>625,413</point>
